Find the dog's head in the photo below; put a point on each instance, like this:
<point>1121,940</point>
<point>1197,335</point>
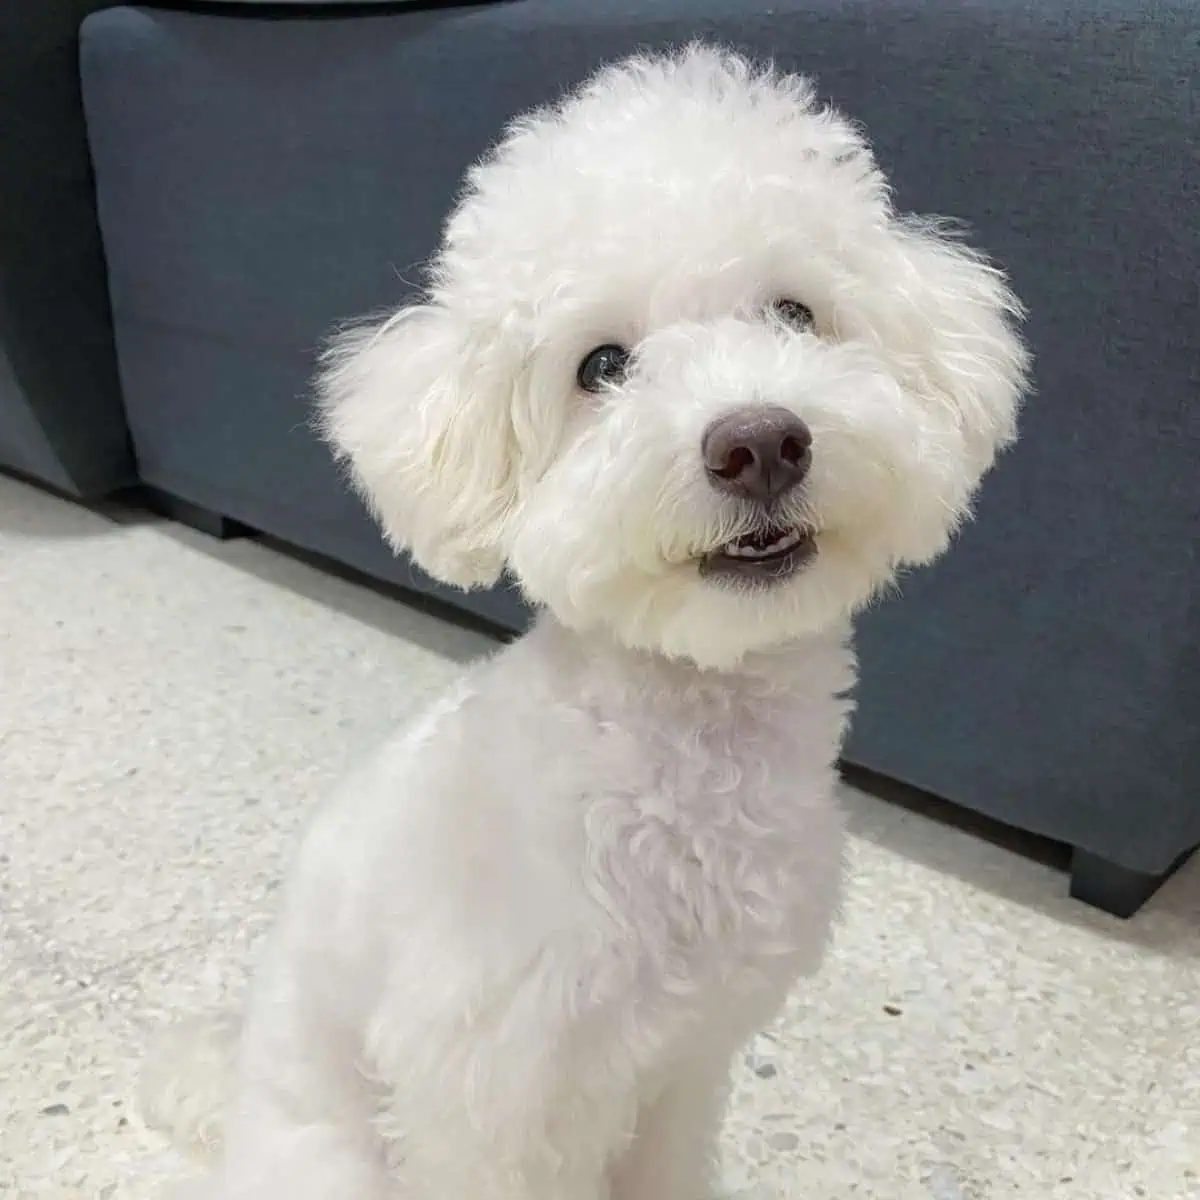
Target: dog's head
<point>682,368</point>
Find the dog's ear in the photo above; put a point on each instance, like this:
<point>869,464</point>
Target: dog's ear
<point>420,409</point>
<point>964,328</point>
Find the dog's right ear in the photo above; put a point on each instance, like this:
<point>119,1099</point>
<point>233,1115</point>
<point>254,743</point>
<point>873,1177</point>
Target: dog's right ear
<point>420,409</point>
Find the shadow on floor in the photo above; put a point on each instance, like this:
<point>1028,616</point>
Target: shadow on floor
<point>422,620</point>
<point>32,511</point>
<point>1014,866</point>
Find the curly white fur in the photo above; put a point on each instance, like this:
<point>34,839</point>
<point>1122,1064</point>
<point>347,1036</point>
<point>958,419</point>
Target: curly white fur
<point>517,953</point>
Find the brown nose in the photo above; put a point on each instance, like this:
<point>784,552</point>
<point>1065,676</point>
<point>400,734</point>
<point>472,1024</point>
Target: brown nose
<point>757,453</point>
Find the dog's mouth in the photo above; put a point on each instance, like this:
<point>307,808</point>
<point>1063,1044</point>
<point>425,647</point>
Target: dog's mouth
<point>768,555</point>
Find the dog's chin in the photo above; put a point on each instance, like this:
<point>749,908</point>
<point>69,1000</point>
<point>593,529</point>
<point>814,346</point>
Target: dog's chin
<point>715,606</point>
<point>764,559</point>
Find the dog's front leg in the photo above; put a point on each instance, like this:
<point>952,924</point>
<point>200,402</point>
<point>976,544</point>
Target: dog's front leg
<point>674,1151</point>
<point>506,1121</point>
<point>521,1085</point>
<point>299,1124</point>
<point>277,1156</point>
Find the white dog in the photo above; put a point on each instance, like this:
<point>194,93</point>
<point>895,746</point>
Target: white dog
<point>687,374</point>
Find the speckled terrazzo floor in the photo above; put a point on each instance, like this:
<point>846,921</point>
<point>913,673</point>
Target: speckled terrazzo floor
<point>171,708</point>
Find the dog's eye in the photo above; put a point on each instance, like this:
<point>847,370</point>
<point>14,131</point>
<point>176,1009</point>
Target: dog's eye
<point>795,314</point>
<point>603,367</point>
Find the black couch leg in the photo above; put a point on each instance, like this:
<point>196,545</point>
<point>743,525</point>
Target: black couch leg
<point>194,517</point>
<point>1106,886</point>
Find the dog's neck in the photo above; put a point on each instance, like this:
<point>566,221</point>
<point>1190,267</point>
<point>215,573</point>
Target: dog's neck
<point>594,662</point>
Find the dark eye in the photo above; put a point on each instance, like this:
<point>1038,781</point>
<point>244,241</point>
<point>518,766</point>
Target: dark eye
<point>603,367</point>
<point>795,314</point>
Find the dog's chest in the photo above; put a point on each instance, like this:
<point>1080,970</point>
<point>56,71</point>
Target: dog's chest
<point>724,827</point>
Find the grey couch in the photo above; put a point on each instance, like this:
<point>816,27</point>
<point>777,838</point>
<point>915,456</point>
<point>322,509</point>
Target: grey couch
<point>61,420</point>
<point>264,172</point>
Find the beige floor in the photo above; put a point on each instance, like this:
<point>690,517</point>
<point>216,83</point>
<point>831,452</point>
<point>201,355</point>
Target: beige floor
<point>171,708</point>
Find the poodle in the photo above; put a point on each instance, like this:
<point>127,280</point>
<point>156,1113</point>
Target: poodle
<point>686,374</point>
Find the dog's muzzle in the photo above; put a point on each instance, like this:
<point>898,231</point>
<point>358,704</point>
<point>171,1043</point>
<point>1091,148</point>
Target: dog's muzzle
<point>759,455</point>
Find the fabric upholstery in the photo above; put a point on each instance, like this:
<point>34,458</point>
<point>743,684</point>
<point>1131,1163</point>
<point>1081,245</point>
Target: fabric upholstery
<point>61,420</point>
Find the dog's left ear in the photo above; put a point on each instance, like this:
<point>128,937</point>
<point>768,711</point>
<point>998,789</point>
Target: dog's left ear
<point>420,408</point>
<point>963,324</point>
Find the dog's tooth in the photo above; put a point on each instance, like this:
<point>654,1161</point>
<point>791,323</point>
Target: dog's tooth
<point>745,548</point>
